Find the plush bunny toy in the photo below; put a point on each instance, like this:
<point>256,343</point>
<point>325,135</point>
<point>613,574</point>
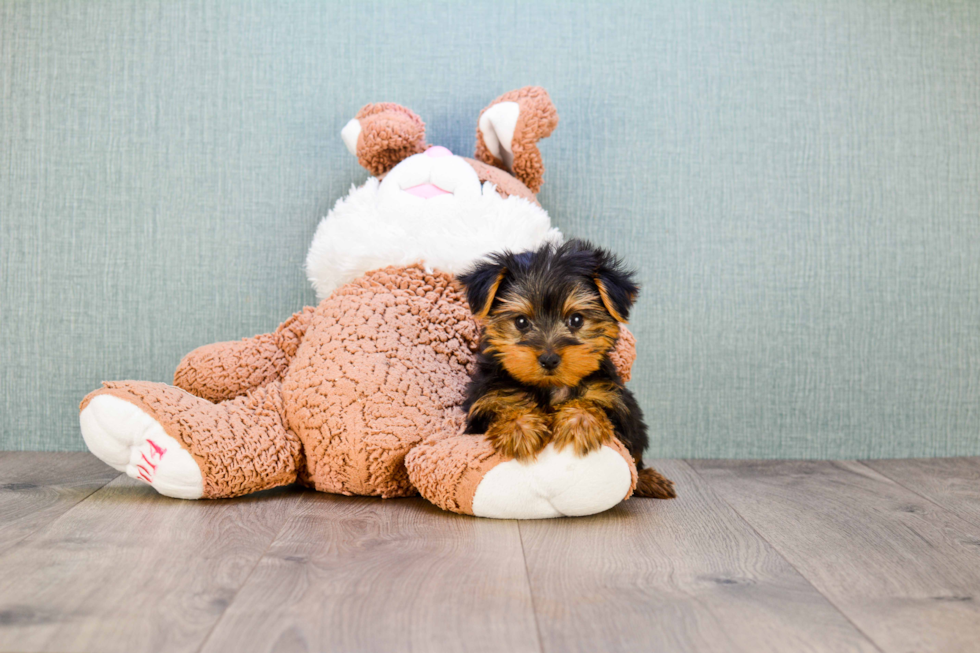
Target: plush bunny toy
<point>361,394</point>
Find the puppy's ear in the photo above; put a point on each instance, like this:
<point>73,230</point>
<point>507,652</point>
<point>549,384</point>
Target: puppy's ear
<point>382,135</point>
<point>616,285</point>
<point>509,129</point>
<point>482,283</point>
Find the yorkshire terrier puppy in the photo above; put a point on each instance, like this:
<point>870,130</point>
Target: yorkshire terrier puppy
<point>550,318</point>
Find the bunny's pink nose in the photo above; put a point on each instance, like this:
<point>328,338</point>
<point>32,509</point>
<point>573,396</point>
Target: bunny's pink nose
<point>438,151</point>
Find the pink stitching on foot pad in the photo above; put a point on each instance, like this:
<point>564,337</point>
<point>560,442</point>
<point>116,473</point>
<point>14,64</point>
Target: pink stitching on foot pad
<point>157,449</point>
<point>157,452</point>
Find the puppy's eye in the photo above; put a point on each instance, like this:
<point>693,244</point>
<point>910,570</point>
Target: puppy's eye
<point>575,321</point>
<point>522,323</point>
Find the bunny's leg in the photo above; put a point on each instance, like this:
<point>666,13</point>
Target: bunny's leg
<point>463,473</point>
<point>225,370</point>
<point>187,447</point>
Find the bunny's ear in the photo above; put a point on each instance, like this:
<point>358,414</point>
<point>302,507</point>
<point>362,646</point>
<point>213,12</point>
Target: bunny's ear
<point>509,129</point>
<point>382,135</point>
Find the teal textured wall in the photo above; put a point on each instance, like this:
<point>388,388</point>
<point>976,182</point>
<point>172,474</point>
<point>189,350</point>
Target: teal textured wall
<point>798,183</point>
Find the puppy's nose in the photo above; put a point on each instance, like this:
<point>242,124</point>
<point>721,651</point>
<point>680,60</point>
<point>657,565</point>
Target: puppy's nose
<point>549,361</point>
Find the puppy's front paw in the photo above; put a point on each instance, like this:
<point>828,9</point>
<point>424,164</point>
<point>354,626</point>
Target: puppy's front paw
<point>581,424</point>
<point>521,435</point>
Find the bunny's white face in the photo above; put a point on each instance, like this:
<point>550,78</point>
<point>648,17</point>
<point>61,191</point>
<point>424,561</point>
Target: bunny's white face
<point>432,209</point>
<point>436,176</point>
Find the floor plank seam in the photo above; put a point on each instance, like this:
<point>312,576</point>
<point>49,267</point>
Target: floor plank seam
<point>12,545</point>
<point>946,510</point>
<point>530,588</point>
<point>836,607</point>
<point>251,571</point>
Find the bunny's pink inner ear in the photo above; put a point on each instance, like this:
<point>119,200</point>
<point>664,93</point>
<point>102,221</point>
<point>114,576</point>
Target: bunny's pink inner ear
<point>509,129</point>
<point>382,135</point>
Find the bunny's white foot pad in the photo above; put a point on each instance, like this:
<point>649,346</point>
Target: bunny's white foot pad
<point>126,438</point>
<point>558,483</point>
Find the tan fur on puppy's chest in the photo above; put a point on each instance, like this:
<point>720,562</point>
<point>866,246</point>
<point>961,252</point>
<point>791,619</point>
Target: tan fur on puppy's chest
<point>559,395</point>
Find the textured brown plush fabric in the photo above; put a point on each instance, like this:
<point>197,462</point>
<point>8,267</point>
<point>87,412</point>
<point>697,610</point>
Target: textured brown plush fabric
<point>537,119</point>
<point>390,133</point>
<point>624,353</point>
<point>241,445</point>
<point>447,468</point>
<point>634,476</point>
<point>384,359</point>
<point>225,370</point>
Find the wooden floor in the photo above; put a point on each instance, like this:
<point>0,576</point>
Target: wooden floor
<point>752,556</point>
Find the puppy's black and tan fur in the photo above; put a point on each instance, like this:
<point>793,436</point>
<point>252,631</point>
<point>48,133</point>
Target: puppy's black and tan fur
<point>550,318</point>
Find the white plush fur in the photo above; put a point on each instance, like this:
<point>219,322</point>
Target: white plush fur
<point>350,133</point>
<point>497,124</point>
<point>558,483</point>
<point>378,224</point>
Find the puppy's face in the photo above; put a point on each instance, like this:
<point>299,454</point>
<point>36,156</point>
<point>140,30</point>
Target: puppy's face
<point>550,316</point>
<point>550,332</point>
